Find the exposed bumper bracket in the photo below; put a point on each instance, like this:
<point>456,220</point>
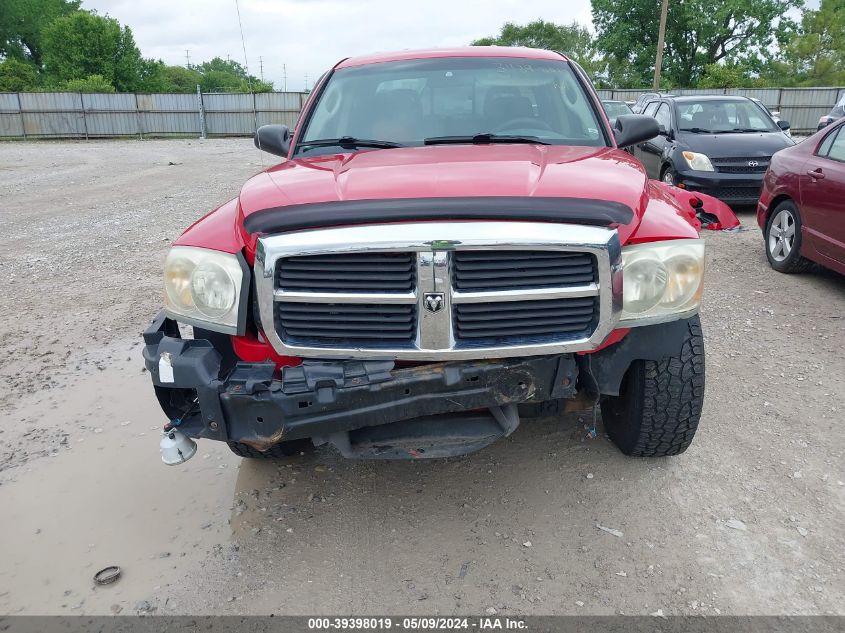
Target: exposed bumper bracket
<point>464,405</point>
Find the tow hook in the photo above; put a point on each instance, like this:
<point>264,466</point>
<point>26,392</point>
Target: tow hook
<point>176,447</point>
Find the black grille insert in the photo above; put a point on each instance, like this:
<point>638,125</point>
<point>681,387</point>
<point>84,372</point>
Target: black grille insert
<point>478,271</point>
<point>353,272</point>
<point>336,323</point>
<point>505,321</point>
<point>740,165</point>
<point>727,194</point>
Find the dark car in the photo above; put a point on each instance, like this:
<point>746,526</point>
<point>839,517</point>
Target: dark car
<point>615,108</point>
<point>836,113</point>
<point>718,145</point>
<point>802,206</point>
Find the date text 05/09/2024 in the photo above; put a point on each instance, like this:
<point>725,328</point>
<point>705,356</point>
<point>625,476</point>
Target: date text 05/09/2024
<point>416,624</point>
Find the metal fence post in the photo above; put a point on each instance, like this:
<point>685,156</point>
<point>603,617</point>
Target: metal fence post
<point>20,112</point>
<point>84,120</point>
<point>138,118</point>
<point>254,115</point>
<point>201,111</point>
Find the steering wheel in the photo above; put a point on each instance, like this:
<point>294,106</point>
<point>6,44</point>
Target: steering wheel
<point>525,121</point>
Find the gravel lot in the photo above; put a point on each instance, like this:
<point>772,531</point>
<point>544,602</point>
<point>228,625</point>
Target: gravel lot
<point>751,520</point>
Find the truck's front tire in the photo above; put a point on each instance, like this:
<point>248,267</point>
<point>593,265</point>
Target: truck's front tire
<point>659,405</point>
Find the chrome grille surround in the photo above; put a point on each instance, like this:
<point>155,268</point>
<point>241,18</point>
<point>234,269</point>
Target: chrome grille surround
<point>433,243</point>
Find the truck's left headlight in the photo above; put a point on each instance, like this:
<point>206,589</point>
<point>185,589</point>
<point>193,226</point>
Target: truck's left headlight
<point>661,281</point>
<point>203,287</point>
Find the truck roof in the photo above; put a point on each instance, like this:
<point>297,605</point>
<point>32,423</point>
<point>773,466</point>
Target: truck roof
<point>466,51</point>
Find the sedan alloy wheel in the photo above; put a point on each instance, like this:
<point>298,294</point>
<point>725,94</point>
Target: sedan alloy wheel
<point>782,235</point>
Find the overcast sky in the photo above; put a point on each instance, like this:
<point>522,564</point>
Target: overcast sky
<point>309,36</point>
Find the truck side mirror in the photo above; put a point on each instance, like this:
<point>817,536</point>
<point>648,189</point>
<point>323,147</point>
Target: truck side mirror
<point>274,139</point>
<point>631,129</point>
<point>784,125</point>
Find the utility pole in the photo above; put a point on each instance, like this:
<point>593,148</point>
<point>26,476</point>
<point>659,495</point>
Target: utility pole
<point>306,82</point>
<point>284,78</point>
<point>261,68</point>
<point>188,58</point>
<point>661,36</point>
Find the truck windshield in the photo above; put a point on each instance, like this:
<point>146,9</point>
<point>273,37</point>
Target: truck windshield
<point>453,99</point>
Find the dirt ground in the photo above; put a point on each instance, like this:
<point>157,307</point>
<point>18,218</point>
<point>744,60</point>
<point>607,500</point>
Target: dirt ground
<point>751,520</point>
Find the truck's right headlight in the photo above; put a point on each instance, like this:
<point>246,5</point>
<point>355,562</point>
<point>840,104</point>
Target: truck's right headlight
<point>661,281</point>
<point>203,287</point>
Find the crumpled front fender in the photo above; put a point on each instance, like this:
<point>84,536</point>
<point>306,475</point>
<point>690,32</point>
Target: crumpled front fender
<point>709,212</point>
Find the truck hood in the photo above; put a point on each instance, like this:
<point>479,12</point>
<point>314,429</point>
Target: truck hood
<point>541,171</point>
<point>495,172</point>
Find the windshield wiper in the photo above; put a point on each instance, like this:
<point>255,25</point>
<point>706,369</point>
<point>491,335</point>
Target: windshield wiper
<point>697,130</point>
<point>350,142</point>
<point>748,129</point>
<point>483,138</point>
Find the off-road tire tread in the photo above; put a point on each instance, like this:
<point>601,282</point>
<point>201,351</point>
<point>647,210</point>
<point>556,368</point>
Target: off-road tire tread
<point>667,405</point>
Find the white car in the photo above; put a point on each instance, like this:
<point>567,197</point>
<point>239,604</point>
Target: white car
<point>775,114</point>
<point>836,113</point>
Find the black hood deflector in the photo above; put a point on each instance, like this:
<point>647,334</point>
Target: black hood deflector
<point>523,208</point>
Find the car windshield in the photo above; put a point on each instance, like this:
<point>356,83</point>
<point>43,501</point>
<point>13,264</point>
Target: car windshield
<point>722,117</point>
<point>615,108</point>
<point>452,99</point>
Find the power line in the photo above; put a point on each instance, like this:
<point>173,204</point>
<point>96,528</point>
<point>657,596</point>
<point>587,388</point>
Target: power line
<point>661,36</point>
<point>246,66</point>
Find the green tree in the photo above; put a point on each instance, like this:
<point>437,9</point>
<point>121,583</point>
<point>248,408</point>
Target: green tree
<point>816,56</point>
<point>573,40</point>
<point>91,83</point>
<point>699,33</point>
<point>22,23</point>
<point>181,79</point>
<point>727,76</point>
<point>17,76</point>
<point>225,75</point>
<point>83,44</point>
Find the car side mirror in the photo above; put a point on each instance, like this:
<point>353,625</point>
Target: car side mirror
<point>784,125</point>
<point>274,139</point>
<point>662,131</point>
<point>631,129</point>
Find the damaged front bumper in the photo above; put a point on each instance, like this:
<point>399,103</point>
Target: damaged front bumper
<point>445,408</point>
<point>373,409</point>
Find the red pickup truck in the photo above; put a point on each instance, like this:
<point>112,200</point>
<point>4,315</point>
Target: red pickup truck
<point>451,238</point>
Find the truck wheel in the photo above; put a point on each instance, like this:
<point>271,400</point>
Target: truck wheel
<point>783,239</point>
<point>659,405</point>
<point>277,451</point>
